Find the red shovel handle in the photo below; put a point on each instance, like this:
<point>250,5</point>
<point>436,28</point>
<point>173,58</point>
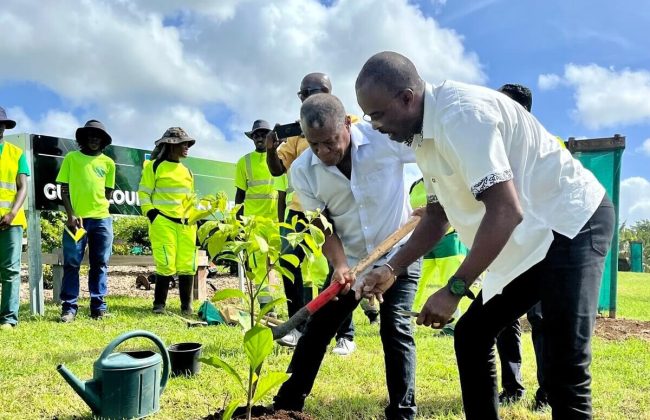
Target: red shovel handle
<point>324,297</point>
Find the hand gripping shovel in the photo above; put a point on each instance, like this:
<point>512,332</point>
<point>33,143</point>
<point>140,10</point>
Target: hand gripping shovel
<point>328,294</point>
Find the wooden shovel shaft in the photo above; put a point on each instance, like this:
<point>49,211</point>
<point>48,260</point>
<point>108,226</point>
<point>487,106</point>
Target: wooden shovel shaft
<point>335,288</point>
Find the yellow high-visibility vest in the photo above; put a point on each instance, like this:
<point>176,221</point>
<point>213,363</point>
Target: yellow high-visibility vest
<point>261,195</point>
<point>165,188</point>
<point>8,188</point>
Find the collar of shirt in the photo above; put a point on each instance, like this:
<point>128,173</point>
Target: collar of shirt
<point>362,214</point>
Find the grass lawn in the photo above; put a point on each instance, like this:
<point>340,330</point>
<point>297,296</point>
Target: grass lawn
<point>347,388</point>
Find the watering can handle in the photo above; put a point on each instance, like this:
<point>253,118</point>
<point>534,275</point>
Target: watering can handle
<point>146,334</point>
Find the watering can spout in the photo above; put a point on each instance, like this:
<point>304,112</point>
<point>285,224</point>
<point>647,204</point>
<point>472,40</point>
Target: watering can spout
<point>84,389</point>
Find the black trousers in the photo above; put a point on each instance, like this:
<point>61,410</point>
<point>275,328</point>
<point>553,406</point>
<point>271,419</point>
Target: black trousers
<point>567,282</point>
<point>397,339</point>
<point>509,349</point>
<point>297,294</point>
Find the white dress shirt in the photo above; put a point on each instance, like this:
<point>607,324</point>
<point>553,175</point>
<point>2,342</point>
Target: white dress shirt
<point>474,137</point>
<point>369,206</point>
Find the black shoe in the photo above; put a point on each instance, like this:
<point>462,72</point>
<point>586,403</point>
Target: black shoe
<point>373,317</point>
<point>541,400</point>
<point>506,398</point>
<point>97,313</point>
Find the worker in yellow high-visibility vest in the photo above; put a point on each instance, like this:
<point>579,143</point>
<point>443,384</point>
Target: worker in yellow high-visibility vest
<point>13,190</point>
<point>441,262</point>
<point>165,186</point>
<point>260,193</point>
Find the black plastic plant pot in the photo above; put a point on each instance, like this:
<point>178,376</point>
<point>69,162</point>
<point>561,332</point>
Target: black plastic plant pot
<point>184,358</point>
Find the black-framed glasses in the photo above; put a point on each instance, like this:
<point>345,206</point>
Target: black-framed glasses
<point>307,92</point>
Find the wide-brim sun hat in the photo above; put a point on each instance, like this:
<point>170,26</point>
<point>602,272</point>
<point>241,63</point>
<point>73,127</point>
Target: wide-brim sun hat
<point>175,135</point>
<point>9,124</point>
<point>95,128</point>
<point>258,125</point>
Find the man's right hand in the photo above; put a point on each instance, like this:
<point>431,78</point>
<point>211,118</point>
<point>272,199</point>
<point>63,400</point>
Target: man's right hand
<point>272,141</point>
<point>73,223</point>
<point>342,275</point>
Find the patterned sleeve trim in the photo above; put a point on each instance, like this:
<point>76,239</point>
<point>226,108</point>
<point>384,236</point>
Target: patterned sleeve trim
<point>432,199</point>
<point>491,180</point>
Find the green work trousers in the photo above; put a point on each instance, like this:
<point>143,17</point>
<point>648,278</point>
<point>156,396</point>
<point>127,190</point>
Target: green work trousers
<point>10,249</point>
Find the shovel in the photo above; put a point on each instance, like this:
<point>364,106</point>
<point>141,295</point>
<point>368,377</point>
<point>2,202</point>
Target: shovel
<point>328,294</point>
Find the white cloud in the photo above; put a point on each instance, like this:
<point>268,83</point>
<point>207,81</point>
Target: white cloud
<point>605,97</point>
<point>142,66</point>
<point>548,81</point>
<point>645,147</point>
<point>54,123</point>
<point>635,200</point>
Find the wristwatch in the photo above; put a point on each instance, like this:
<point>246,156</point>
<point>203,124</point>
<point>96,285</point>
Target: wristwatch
<point>457,287</point>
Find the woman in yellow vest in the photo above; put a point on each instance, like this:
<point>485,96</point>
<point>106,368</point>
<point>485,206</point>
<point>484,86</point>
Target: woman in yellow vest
<point>13,189</point>
<point>166,183</point>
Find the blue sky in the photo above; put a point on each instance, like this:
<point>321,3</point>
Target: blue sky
<point>215,66</point>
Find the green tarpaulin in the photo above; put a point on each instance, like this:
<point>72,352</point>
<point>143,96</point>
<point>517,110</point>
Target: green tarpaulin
<point>636,256</point>
<point>603,158</point>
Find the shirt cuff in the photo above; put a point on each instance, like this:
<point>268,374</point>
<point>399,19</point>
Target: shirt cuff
<point>490,180</point>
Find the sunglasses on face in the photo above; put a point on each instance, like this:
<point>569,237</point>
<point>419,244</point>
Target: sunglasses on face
<point>307,92</point>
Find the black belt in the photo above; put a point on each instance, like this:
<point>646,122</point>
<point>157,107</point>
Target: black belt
<point>173,219</point>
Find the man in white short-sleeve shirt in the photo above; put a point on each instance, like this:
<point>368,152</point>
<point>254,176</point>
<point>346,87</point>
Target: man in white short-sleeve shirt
<point>356,176</point>
<point>533,217</point>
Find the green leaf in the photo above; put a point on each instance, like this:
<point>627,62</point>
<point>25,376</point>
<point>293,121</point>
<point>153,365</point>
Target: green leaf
<point>216,243</point>
<point>267,383</point>
<point>311,244</point>
<point>294,239</point>
<point>291,259</point>
<point>269,306</point>
<point>262,244</point>
<point>230,410</point>
<point>285,273</point>
<point>227,294</point>
<point>218,363</point>
<point>258,343</point>
<point>317,235</point>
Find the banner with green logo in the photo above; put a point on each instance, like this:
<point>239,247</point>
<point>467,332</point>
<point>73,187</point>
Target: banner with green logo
<point>48,152</point>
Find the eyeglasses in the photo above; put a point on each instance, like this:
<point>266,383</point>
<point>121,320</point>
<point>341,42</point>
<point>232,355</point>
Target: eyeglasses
<point>307,92</point>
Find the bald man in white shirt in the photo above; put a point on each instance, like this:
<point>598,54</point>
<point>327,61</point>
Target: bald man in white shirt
<point>534,218</point>
<point>356,176</point>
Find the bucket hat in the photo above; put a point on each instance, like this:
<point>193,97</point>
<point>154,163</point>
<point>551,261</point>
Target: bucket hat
<point>175,135</point>
<point>9,124</point>
<point>258,125</point>
<point>96,128</point>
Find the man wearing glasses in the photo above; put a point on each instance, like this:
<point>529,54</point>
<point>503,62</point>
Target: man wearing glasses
<point>357,174</point>
<point>281,153</point>
<point>536,219</point>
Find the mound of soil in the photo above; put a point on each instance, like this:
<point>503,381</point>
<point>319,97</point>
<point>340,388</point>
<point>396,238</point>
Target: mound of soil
<point>614,329</point>
<point>262,413</point>
<point>620,329</point>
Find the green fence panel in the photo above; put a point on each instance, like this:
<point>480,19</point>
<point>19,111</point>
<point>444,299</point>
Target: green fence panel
<point>636,256</point>
<point>603,158</point>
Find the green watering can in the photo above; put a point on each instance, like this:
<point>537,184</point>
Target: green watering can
<point>125,385</point>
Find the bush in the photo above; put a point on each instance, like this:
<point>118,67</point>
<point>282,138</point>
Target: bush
<point>52,224</point>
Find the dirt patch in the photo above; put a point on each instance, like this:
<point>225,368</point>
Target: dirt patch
<point>121,282</point>
<point>614,329</point>
<point>620,329</point>
<point>262,413</point>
